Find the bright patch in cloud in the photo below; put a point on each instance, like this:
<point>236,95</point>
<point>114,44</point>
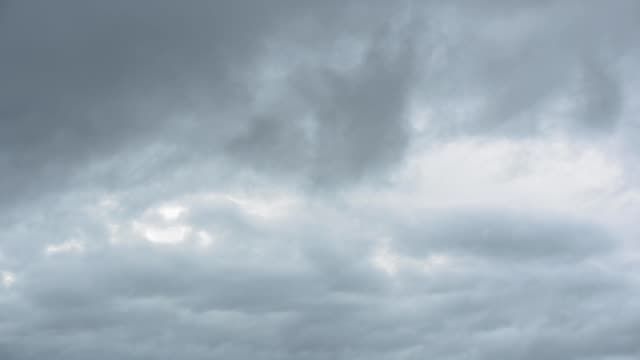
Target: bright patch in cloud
<point>205,239</point>
<point>71,246</point>
<point>7,278</point>
<point>161,234</point>
<point>385,260</point>
<point>171,212</point>
<point>390,262</point>
<point>545,175</point>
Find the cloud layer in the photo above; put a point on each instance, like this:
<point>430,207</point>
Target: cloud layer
<point>318,179</point>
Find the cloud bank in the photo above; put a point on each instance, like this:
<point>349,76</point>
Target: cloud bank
<point>319,179</point>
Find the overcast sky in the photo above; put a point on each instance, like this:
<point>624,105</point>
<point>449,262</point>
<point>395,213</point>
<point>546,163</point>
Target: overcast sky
<point>301,179</point>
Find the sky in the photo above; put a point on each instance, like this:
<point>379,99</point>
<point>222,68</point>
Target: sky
<point>310,180</point>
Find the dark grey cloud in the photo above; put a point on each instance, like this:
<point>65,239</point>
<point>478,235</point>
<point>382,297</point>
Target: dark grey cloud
<point>85,82</point>
<point>358,118</point>
<point>180,179</point>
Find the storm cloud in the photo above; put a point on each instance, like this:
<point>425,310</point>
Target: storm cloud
<point>319,179</point>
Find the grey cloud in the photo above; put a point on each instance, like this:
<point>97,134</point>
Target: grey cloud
<point>306,289</point>
<point>515,64</point>
<point>602,97</point>
<point>505,235</point>
<point>141,305</point>
<point>84,79</point>
<point>85,82</point>
<point>149,102</point>
<point>358,118</point>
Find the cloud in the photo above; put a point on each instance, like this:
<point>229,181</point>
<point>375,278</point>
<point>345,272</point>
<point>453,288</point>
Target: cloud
<point>86,83</point>
<point>318,179</point>
<point>523,68</point>
<point>505,236</point>
<point>357,119</point>
<point>314,291</point>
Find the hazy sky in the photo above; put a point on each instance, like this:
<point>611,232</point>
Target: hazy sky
<point>298,179</point>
